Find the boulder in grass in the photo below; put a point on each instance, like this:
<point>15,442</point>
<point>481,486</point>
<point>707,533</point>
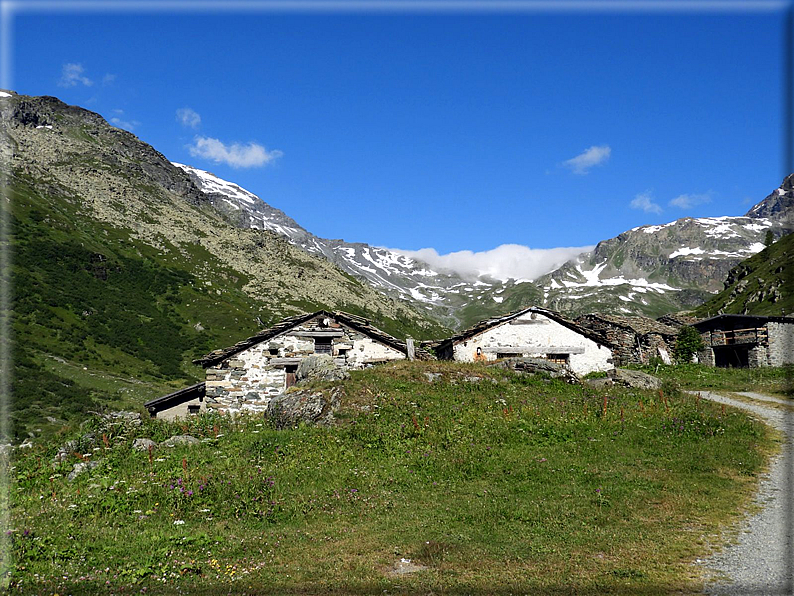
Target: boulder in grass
<point>179,440</point>
<point>320,367</point>
<point>635,379</point>
<point>312,407</point>
<point>538,365</point>
<point>143,444</point>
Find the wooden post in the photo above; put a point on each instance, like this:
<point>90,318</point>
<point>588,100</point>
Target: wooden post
<point>409,343</point>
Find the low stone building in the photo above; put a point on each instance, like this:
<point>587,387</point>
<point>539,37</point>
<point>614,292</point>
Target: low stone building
<point>746,341</point>
<point>178,404</point>
<point>532,333</point>
<point>633,340</point>
<point>246,375</point>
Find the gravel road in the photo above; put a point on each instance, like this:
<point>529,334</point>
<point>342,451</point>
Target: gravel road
<point>760,563</point>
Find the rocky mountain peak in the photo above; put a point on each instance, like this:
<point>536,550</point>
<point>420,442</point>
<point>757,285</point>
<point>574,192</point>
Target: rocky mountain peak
<point>778,205</point>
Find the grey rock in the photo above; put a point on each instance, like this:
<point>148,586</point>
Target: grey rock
<point>180,440</point>
<point>635,379</point>
<point>313,407</point>
<point>538,365</point>
<point>143,444</point>
<point>320,367</point>
<point>81,467</point>
<point>432,377</point>
<point>599,382</point>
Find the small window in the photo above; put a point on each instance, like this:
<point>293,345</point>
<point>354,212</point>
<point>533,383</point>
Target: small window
<point>193,408</point>
<point>557,358</point>
<point>274,351</point>
<point>322,345</point>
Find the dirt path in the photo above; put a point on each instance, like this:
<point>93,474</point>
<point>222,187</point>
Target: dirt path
<point>761,561</point>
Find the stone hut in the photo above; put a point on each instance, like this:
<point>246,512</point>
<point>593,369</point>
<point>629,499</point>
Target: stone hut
<point>634,340</point>
<point>178,404</point>
<point>534,333</point>
<point>246,375</point>
<point>677,320</point>
<point>746,341</point>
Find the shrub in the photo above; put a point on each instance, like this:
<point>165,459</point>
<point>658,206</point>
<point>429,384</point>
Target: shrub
<point>687,344</point>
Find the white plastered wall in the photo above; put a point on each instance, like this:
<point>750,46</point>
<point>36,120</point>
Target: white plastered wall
<point>541,335</point>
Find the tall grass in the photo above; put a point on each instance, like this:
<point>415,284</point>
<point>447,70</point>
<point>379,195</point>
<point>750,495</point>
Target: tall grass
<point>487,481</point>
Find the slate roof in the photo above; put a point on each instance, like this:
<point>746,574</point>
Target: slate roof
<point>639,324</point>
<point>677,320</point>
<point>732,321</point>
<point>487,324</point>
<point>177,397</point>
<point>354,322</point>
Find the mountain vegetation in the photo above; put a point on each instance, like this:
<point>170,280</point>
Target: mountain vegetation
<point>123,272</point>
<point>760,285</point>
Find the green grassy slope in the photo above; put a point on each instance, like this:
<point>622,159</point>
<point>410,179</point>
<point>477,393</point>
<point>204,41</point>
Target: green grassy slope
<point>491,482</point>
<point>761,285</point>
<point>123,272</point>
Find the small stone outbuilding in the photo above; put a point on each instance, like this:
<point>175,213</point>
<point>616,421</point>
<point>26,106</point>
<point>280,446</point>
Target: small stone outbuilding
<point>743,341</point>
<point>634,340</point>
<point>530,333</point>
<point>178,404</point>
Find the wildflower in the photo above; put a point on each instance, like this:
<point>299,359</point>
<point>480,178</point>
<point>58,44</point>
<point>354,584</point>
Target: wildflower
<point>179,522</point>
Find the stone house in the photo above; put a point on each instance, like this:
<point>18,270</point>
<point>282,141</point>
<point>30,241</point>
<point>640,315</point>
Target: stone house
<point>633,340</point>
<point>532,332</point>
<point>245,376</point>
<point>746,341</point>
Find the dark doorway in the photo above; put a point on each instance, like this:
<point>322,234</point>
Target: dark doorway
<point>292,376</point>
<point>732,356</point>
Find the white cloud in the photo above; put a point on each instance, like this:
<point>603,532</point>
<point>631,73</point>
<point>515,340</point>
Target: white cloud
<point>108,79</point>
<point>188,117</point>
<point>508,261</point>
<point>126,124</point>
<point>644,202</point>
<point>72,74</point>
<point>589,158</point>
<point>687,201</point>
<point>236,155</point>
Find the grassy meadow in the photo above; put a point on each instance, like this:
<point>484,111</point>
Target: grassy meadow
<point>476,480</point>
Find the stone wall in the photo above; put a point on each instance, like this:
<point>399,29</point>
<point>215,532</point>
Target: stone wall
<point>630,346</point>
<point>249,379</point>
<point>781,343</point>
<point>533,335</point>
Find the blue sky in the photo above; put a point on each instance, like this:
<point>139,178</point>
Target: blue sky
<point>449,130</point>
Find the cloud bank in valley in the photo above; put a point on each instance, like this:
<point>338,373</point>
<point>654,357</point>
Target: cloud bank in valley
<point>508,261</point>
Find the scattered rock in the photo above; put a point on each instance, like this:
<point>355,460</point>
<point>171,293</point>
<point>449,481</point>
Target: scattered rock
<point>537,365</point>
<point>634,378</point>
<point>132,418</point>
<point>600,382</point>
<point>313,407</point>
<point>320,367</point>
<point>81,467</point>
<point>180,440</point>
<point>404,567</point>
<point>26,444</point>
<point>432,377</point>
<point>143,444</point>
